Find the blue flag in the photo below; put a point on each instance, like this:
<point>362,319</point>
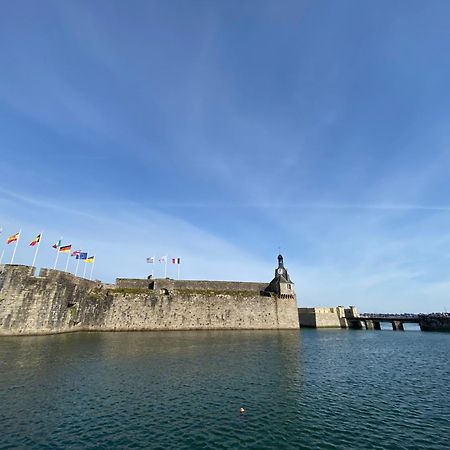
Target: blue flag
<point>82,256</point>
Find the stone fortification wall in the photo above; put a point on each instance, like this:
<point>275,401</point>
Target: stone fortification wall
<point>55,302</point>
<point>42,304</point>
<point>323,317</point>
<point>187,311</point>
<point>133,283</point>
<point>191,285</point>
<point>307,317</point>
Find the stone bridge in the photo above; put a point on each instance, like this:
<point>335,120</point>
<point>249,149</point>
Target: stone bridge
<point>373,321</point>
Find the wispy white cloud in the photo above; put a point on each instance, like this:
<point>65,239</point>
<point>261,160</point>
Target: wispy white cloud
<point>123,236</point>
<point>369,268</point>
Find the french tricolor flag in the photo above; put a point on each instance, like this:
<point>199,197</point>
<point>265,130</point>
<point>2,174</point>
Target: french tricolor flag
<point>176,260</point>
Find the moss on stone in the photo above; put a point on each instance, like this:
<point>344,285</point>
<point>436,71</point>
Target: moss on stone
<point>96,294</point>
<point>72,311</point>
<point>130,291</point>
<point>215,292</point>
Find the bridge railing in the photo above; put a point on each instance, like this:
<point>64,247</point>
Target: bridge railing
<point>388,316</point>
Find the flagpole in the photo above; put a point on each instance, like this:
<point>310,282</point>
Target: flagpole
<point>56,260</point>
<point>68,256</point>
<point>178,270</point>
<point>15,247</point>
<point>37,249</point>
<point>153,265</point>
<point>165,268</point>
<point>84,271</point>
<point>57,254</point>
<point>92,268</point>
<point>78,263</point>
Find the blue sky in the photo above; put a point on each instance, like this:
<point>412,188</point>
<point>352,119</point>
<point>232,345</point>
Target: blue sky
<point>219,131</point>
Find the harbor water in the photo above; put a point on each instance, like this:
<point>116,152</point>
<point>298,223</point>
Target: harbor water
<point>308,389</point>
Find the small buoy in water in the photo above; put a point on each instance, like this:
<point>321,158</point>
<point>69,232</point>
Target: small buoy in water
<point>242,410</point>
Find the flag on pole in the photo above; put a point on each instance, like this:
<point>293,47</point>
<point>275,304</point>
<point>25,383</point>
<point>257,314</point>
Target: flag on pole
<point>57,244</point>
<point>35,241</point>
<point>92,267</point>
<point>163,259</point>
<point>151,260</point>
<point>65,248</point>
<point>177,262</point>
<point>13,238</point>
<point>90,259</point>
<point>77,254</point>
<point>81,256</point>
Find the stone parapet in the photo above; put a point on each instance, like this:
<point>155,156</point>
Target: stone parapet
<point>192,285</point>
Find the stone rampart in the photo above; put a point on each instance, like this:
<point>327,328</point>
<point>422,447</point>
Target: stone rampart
<point>191,285</point>
<point>42,304</point>
<point>56,302</point>
<point>133,283</point>
<point>323,317</point>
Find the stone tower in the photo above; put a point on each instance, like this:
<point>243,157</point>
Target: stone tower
<point>281,285</point>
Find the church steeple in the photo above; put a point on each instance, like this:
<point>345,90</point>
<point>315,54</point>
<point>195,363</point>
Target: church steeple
<point>281,271</point>
<point>280,261</point>
<point>281,285</point>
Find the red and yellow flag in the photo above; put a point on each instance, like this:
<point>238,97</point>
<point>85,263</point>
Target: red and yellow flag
<point>35,241</point>
<point>13,238</point>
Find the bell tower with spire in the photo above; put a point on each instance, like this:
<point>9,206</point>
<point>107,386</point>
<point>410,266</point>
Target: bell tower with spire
<point>282,284</point>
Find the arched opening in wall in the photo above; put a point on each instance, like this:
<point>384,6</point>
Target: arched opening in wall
<point>151,285</point>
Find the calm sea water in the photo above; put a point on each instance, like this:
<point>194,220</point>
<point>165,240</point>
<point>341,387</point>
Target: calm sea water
<point>169,390</point>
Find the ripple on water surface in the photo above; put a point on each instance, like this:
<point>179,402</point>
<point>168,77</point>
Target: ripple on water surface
<point>309,389</point>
